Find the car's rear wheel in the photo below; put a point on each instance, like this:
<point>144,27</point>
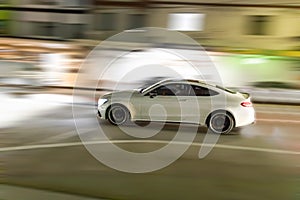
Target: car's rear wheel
<point>221,122</point>
<point>118,114</point>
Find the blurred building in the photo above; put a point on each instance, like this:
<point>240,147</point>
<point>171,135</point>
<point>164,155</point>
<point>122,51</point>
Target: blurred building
<point>269,30</point>
<point>50,19</point>
<point>270,24</point>
<point>111,17</point>
<point>5,16</point>
<point>255,24</point>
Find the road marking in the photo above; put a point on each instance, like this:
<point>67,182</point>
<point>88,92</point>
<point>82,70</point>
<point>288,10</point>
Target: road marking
<point>73,144</point>
<point>279,112</point>
<point>279,121</point>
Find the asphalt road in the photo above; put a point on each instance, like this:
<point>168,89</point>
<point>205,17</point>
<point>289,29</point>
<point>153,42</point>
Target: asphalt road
<point>44,153</point>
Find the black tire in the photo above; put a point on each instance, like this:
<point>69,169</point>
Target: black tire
<point>221,122</point>
<point>118,115</point>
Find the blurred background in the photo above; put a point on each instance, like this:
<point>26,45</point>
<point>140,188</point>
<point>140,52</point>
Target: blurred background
<point>255,45</point>
<point>256,42</point>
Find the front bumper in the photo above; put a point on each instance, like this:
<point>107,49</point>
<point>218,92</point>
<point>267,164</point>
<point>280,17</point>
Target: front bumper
<point>101,110</point>
<point>99,114</point>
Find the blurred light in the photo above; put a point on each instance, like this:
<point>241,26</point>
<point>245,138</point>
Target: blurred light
<point>186,21</point>
<point>53,65</point>
<point>135,31</point>
<point>246,104</point>
<point>253,61</point>
<point>54,45</point>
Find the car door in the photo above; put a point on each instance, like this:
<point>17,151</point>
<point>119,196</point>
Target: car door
<point>203,96</point>
<point>163,103</point>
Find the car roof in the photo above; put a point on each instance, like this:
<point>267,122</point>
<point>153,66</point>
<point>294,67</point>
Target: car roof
<point>174,80</point>
<point>171,80</point>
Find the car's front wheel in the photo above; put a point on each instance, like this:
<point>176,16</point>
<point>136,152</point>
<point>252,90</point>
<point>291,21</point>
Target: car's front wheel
<point>221,122</point>
<point>118,114</point>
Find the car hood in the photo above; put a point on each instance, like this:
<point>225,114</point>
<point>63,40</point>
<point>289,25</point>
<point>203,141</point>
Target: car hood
<point>121,94</point>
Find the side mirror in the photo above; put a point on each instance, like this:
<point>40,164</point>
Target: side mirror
<point>152,94</point>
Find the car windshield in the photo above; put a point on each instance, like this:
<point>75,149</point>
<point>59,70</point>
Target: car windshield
<point>141,90</point>
<point>149,86</point>
<point>146,88</point>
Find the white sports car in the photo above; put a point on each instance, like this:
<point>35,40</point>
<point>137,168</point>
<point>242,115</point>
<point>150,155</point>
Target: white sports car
<point>188,101</point>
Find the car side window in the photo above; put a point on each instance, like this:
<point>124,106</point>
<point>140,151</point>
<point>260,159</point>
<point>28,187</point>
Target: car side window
<point>202,91</point>
<point>164,91</point>
<point>174,89</point>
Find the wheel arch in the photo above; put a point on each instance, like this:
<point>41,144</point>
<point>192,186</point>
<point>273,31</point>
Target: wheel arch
<point>119,104</point>
<point>220,110</point>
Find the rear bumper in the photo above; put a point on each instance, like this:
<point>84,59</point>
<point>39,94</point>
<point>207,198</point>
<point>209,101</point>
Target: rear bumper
<point>245,117</point>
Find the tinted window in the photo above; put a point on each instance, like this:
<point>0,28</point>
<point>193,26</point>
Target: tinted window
<point>202,91</point>
<point>164,91</point>
<point>175,89</point>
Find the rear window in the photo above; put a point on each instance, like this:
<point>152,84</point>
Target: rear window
<point>203,91</point>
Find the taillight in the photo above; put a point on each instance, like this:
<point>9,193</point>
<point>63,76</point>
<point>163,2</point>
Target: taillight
<point>246,104</point>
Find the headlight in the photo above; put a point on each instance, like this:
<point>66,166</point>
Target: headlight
<point>102,101</point>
